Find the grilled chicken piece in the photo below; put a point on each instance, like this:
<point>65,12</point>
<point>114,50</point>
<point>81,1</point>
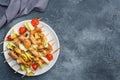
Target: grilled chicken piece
<point>40,47</point>
<point>34,52</point>
<point>36,60</point>
<point>13,55</point>
<point>27,43</point>
<point>37,29</point>
<point>32,32</point>
<point>17,41</point>
<point>20,61</point>
<point>17,50</point>
<point>50,48</point>
<point>22,37</point>
<point>33,40</point>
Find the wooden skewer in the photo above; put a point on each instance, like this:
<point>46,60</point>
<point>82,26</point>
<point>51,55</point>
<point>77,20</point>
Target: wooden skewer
<point>41,27</point>
<point>43,30</point>
<point>53,43</point>
<point>8,60</point>
<point>2,42</point>
<point>47,34</point>
<point>50,40</point>
<point>23,75</point>
<point>3,51</point>
<point>56,50</point>
<point>14,65</point>
<point>17,70</point>
<point>40,18</point>
<point>5,40</point>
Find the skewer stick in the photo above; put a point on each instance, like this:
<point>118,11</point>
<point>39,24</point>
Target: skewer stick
<point>53,43</point>
<point>40,18</point>
<point>43,30</point>
<point>47,34</point>
<point>41,27</point>
<point>50,40</point>
<point>14,65</point>
<point>17,70</point>
<point>3,51</point>
<point>8,60</point>
<point>2,42</point>
<point>56,50</point>
<point>23,75</point>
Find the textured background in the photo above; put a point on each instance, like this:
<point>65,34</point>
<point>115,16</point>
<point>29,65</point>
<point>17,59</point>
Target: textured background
<point>89,34</point>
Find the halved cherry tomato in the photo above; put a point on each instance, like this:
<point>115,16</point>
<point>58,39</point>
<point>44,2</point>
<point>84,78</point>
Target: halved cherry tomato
<point>35,22</point>
<point>22,30</point>
<point>42,61</point>
<point>9,38</point>
<point>49,56</point>
<point>35,66</point>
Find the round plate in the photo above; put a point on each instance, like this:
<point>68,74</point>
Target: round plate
<point>52,35</point>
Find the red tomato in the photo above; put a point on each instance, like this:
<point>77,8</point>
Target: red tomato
<point>35,22</point>
<point>35,66</point>
<point>22,30</point>
<point>49,56</point>
<point>9,38</point>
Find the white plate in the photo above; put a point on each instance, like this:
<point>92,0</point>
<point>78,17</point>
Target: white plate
<point>52,35</point>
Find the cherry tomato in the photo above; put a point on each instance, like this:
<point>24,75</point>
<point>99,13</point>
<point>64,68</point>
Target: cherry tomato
<point>22,30</point>
<point>42,61</point>
<point>35,22</point>
<point>49,56</point>
<point>9,38</point>
<point>35,66</point>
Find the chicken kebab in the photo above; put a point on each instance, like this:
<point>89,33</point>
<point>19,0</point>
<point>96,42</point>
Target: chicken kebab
<point>29,47</point>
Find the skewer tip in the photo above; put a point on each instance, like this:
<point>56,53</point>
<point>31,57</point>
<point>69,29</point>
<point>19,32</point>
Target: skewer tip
<point>56,50</point>
<point>40,18</point>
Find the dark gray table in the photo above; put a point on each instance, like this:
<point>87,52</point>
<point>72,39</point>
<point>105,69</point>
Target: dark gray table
<point>89,34</point>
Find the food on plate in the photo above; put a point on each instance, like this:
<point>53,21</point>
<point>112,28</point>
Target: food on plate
<point>29,47</point>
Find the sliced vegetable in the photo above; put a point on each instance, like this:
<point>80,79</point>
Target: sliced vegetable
<point>37,35</point>
<point>29,26</point>
<point>22,67</point>
<point>45,59</point>
<point>28,56</point>
<point>45,43</point>
<point>14,34</point>
<point>40,64</point>
<point>11,45</point>
<point>34,46</point>
<point>24,57</point>
<point>22,47</point>
<point>29,72</point>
